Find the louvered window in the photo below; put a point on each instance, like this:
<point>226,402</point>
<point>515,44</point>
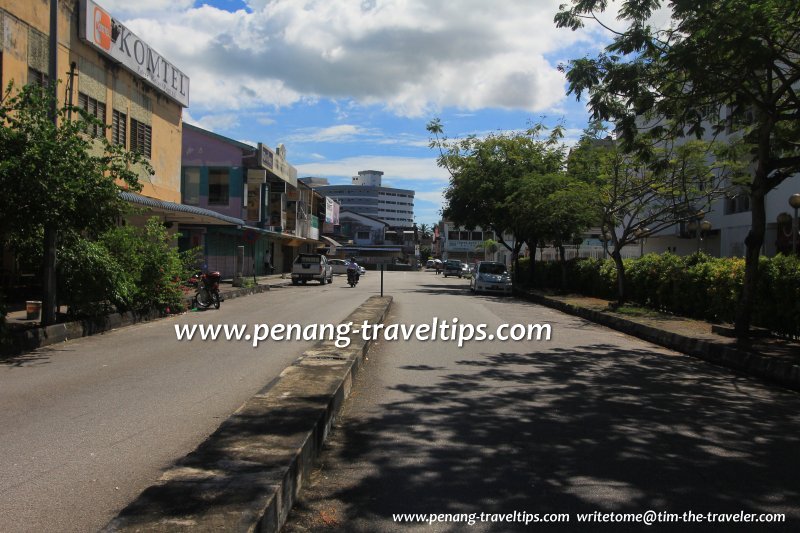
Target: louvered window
<point>37,77</point>
<point>141,138</point>
<point>119,128</point>
<point>95,109</point>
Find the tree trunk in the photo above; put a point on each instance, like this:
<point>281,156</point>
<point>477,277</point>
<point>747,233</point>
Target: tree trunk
<point>754,242</point>
<point>49,300</point>
<point>562,256</point>
<point>515,259</point>
<point>617,257</point>
<point>532,266</point>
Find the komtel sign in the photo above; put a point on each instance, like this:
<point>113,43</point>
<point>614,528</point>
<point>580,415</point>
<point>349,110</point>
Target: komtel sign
<point>109,36</point>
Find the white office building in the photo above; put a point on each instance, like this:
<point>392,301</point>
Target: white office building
<point>366,196</point>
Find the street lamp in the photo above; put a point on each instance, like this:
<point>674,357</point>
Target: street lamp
<point>794,201</point>
<point>641,233</point>
<point>705,227</point>
<point>695,226</point>
<point>605,237</point>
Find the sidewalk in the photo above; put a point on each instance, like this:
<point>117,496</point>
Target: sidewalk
<point>28,334</point>
<point>773,359</point>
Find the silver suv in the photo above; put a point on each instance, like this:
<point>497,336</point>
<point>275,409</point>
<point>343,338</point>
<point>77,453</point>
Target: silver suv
<point>311,267</point>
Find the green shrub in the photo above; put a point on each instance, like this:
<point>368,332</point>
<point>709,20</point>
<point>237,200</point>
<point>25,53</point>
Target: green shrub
<point>125,269</point>
<point>778,306</point>
<point>697,286</point>
<point>90,279</point>
<point>149,254</point>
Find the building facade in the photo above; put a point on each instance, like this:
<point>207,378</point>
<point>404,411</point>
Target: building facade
<point>116,77</point>
<point>367,196</point>
<point>275,216</point>
<point>143,111</point>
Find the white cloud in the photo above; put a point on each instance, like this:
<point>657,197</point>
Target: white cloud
<point>122,8</point>
<point>338,133</point>
<point>435,197</point>
<point>211,122</point>
<point>401,171</point>
<point>412,57</point>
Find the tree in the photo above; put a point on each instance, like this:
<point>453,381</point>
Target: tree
<point>56,174</point>
<point>635,197</point>
<point>485,174</point>
<point>723,65</point>
<point>424,231</point>
<point>489,246</point>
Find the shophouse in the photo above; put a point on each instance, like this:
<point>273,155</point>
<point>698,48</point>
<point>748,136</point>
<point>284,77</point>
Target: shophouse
<point>275,216</point>
<point>457,242</point>
<point>119,78</point>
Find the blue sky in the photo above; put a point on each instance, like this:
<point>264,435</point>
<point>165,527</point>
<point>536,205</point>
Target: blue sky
<point>349,85</point>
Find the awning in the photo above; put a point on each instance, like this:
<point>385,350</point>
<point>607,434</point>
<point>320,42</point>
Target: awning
<point>182,213</point>
<point>368,249</point>
<point>331,241</point>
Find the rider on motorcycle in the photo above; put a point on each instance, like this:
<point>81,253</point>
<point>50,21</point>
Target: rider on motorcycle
<point>352,268</point>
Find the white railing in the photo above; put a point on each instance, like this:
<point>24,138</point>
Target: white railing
<point>593,252</point>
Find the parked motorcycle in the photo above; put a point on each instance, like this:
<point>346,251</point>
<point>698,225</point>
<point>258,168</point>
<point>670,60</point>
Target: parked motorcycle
<point>207,285</point>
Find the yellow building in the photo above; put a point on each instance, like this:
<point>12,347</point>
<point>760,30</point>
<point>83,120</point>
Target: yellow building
<point>115,76</point>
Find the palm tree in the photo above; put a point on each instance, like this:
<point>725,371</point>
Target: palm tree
<point>489,246</point>
<point>424,231</point>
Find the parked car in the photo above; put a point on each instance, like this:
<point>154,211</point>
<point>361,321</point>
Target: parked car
<point>491,276</point>
<point>339,266</point>
<point>452,267</point>
<point>311,267</point>
<point>465,270</point>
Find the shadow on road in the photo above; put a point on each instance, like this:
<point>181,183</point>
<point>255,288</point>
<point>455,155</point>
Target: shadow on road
<point>596,428</point>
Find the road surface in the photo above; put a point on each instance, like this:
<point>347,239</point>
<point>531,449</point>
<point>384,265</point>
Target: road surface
<point>592,420</point>
<point>88,424</point>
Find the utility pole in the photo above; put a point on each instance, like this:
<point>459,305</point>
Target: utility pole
<point>49,301</point>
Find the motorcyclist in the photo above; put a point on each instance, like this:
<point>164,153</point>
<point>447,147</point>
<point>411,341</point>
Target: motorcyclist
<point>352,268</point>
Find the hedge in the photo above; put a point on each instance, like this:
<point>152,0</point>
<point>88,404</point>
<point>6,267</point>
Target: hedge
<point>696,286</point>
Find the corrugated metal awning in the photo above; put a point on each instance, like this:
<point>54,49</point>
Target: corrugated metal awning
<point>182,213</point>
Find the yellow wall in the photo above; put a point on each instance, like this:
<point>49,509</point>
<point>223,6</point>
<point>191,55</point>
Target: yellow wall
<point>24,28</point>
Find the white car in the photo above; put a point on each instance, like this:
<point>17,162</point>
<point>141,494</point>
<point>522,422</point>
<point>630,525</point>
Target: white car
<point>311,267</point>
<point>491,276</point>
<point>339,266</point>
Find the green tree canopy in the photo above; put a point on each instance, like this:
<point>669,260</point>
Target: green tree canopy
<point>634,197</point>
<point>486,175</point>
<point>721,66</point>
<point>57,174</point>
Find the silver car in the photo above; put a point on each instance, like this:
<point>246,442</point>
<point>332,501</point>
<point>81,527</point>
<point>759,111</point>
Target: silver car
<point>491,276</point>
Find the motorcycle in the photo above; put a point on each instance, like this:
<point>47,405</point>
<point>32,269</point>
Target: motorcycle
<point>207,285</point>
<point>352,277</point>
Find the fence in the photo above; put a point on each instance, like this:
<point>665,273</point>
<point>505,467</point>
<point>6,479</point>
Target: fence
<point>585,252</point>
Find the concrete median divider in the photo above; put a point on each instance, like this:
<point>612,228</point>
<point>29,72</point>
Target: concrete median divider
<point>248,473</point>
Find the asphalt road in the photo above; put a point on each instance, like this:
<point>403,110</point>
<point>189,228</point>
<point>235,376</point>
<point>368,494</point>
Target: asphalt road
<point>85,426</point>
<point>592,420</point>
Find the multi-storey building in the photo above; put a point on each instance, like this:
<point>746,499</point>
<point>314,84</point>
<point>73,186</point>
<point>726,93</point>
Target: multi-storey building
<point>117,77</point>
<point>366,196</point>
<point>110,72</point>
<point>275,216</point>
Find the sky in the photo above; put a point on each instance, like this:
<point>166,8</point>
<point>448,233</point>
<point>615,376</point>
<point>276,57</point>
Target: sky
<point>349,85</point>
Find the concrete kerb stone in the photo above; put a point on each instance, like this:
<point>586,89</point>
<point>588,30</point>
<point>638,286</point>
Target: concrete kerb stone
<point>247,475</point>
<point>30,339</point>
<point>765,367</point>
